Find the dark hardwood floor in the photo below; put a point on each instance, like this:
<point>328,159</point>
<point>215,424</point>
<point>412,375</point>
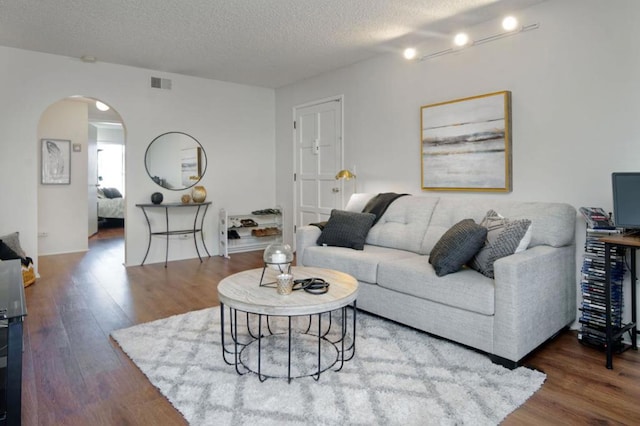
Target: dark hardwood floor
<point>74,374</point>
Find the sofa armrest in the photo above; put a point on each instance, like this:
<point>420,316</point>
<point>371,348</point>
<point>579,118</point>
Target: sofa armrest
<point>535,297</point>
<point>306,236</point>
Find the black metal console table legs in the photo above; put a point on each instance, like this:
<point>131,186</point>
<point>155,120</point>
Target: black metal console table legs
<point>197,227</point>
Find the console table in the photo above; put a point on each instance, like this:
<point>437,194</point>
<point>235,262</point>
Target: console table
<point>200,210</point>
<point>13,309</point>
<point>631,243</point>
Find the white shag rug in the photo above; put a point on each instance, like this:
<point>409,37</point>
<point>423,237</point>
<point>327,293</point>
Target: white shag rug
<point>399,376</point>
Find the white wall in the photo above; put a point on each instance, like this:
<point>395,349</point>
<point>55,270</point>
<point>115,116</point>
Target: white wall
<point>234,123</point>
<point>574,84</point>
<point>64,213</point>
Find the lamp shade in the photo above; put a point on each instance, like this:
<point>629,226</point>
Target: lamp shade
<point>345,174</point>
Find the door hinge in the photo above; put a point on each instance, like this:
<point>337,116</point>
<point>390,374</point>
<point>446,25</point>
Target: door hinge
<point>295,228</point>
<point>295,176</point>
<point>294,124</point>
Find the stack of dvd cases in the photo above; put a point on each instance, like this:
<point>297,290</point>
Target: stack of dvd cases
<point>592,284</point>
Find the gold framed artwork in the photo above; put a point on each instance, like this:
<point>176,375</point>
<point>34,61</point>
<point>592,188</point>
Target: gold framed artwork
<point>465,144</point>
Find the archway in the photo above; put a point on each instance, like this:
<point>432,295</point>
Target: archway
<point>70,132</point>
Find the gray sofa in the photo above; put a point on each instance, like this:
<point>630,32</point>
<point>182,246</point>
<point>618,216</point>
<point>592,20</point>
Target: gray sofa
<point>531,298</point>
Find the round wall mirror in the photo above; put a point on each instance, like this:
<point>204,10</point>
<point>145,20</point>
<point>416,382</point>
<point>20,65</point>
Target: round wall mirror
<point>175,161</point>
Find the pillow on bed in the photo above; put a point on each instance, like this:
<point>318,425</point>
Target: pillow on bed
<point>111,193</point>
<point>346,229</point>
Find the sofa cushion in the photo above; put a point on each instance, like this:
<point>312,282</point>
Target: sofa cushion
<point>346,229</point>
<point>466,289</point>
<point>404,224</point>
<point>504,237</point>
<point>361,264</point>
<point>552,224</point>
<point>457,246</point>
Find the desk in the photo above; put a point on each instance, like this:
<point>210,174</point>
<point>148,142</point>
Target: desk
<point>632,243</point>
<point>197,226</point>
<point>13,309</point>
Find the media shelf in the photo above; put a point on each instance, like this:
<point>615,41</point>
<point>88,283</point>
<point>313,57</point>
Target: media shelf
<point>593,289</point>
<point>249,231</point>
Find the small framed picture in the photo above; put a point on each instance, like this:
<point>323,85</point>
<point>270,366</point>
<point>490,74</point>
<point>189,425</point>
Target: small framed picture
<point>56,162</point>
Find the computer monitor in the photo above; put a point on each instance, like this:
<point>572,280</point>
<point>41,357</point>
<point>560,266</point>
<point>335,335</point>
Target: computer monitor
<point>626,200</point>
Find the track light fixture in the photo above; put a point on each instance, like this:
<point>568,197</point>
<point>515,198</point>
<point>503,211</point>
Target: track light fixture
<point>510,26</point>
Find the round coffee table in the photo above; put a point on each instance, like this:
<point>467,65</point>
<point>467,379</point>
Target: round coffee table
<point>268,325</point>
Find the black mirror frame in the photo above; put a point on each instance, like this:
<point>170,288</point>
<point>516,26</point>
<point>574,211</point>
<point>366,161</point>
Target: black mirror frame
<point>154,178</point>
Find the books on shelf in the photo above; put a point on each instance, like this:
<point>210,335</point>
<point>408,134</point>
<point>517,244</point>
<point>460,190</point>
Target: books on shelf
<point>592,282</point>
<point>597,218</point>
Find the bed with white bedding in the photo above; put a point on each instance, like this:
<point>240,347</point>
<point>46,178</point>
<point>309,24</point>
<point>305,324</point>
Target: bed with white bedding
<point>110,204</point>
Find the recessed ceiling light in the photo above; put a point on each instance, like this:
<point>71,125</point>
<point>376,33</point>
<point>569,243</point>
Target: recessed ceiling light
<point>410,53</point>
<point>88,59</point>
<point>102,106</point>
<point>509,23</point>
<point>461,39</point>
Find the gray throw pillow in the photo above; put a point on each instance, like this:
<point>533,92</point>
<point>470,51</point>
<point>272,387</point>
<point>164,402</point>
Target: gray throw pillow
<point>346,229</point>
<point>457,246</point>
<point>13,241</point>
<point>503,238</point>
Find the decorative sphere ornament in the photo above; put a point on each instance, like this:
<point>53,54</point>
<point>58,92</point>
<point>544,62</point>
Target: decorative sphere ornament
<point>157,197</point>
<point>278,256</point>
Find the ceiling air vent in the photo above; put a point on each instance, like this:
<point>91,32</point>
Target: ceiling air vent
<point>160,83</point>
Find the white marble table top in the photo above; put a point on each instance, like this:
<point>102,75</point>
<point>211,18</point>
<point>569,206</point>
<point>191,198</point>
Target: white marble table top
<point>242,291</point>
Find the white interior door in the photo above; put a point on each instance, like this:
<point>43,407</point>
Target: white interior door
<point>92,179</point>
<point>318,142</point>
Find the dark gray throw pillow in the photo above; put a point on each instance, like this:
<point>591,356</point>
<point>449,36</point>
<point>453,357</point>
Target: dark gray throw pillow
<point>111,193</point>
<point>457,246</point>
<point>6,253</point>
<point>346,229</point>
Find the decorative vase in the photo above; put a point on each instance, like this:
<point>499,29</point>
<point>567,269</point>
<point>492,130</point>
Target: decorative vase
<point>198,194</point>
<point>157,197</point>
<point>186,199</point>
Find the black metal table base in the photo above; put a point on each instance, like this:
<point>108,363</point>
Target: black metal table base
<point>196,229</point>
<point>613,334</point>
<point>250,351</point>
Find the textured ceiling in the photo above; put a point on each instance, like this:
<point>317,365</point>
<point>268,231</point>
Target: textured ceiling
<point>267,43</point>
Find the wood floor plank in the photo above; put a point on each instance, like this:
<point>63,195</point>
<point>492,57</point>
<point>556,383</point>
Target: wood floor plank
<point>75,374</point>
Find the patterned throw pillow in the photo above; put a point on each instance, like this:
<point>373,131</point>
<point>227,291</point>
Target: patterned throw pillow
<point>346,229</point>
<point>457,246</point>
<point>504,238</point>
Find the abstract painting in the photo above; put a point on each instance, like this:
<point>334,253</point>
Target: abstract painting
<point>56,162</point>
<point>191,166</point>
<point>466,144</point>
